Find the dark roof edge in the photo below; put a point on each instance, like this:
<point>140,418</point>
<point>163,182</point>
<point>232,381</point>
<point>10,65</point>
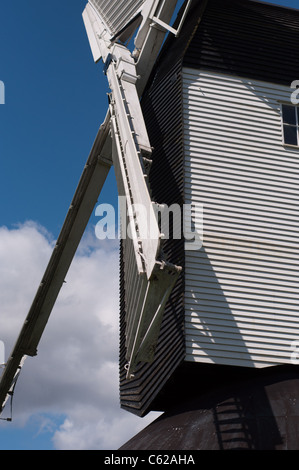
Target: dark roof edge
<point>274,5</point>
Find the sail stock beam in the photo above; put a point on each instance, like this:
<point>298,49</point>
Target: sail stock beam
<point>149,279</point>
<point>91,182</point>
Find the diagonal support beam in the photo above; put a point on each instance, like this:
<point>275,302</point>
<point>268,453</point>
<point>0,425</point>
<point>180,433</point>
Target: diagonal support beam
<point>85,198</point>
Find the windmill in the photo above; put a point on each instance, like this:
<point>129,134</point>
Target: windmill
<point>208,332</point>
<point>122,141</point>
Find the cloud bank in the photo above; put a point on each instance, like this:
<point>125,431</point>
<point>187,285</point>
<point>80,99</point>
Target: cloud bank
<point>71,387</point>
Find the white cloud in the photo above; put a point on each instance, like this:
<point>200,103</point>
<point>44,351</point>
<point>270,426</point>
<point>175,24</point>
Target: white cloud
<point>75,374</point>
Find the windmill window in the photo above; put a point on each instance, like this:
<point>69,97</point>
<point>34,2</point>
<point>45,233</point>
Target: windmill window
<point>290,117</point>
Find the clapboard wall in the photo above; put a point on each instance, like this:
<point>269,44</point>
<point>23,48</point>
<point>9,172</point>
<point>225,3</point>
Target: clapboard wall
<point>164,123</point>
<point>213,117</point>
<point>241,288</point>
<point>241,292</point>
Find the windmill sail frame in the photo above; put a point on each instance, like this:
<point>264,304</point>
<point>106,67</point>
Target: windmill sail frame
<point>92,180</point>
<point>122,140</point>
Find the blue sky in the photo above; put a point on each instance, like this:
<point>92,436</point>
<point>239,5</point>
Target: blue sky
<point>55,100</point>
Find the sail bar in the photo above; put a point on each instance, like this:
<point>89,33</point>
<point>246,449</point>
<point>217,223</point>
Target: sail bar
<point>135,146</point>
<point>105,21</point>
<point>97,34</point>
<point>117,14</point>
<point>150,37</point>
<point>142,342</point>
<point>9,384</point>
<point>149,280</point>
<point>146,297</point>
<point>85,198</point>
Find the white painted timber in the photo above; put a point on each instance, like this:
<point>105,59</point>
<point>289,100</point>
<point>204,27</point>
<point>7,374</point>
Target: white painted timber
<point>148,279</point>
<point>116,14</point>
<point>242,286</point>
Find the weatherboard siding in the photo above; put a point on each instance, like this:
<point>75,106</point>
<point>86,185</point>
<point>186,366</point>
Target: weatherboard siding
<point>166,182</point>
<point>241,288</point>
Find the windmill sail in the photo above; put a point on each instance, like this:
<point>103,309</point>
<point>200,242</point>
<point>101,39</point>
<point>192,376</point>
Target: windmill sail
<point>149,278</point>
<point>85,198</point>
<point>123,137</point>
<point>117,14</point>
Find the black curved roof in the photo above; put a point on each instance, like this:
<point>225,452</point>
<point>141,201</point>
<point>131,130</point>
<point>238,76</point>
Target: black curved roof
<point>239,37</point>
<point>260,413</point>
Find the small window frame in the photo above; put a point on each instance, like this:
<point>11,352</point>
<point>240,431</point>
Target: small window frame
<point>285,125</point>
